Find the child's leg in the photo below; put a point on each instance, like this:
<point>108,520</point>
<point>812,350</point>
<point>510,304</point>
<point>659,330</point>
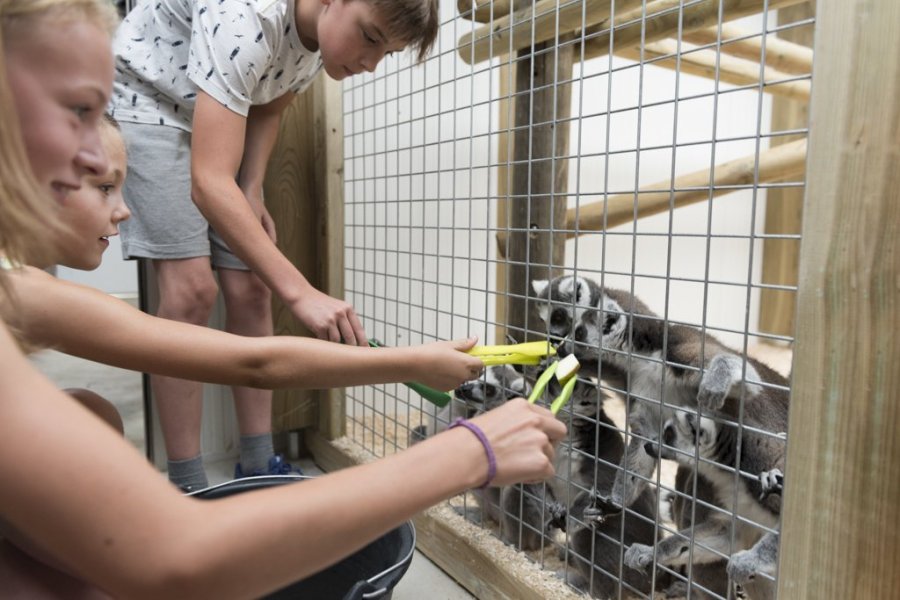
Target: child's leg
<point>100,406</point>
<point>248,306</point>
<point>187,291</point>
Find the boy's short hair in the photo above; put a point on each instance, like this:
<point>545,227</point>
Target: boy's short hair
<point>415,22</point>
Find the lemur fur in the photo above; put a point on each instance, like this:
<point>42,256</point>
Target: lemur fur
<point>708,449</point>
<point>657,365</point>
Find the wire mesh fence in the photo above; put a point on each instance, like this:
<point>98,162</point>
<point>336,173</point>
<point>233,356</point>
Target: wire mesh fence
<point>622,178</point>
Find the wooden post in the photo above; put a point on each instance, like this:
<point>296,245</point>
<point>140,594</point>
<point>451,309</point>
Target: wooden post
<point>304,195</point>
<point>784,207</point>
<point>840,537</point>
<point>538,201</point>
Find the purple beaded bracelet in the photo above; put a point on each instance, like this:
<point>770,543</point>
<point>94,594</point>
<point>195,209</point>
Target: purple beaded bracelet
<point>492,460</point>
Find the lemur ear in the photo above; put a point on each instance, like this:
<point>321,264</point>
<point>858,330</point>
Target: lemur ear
<point>539,285</point>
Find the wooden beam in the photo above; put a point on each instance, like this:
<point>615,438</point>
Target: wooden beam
<point>784,207</point>
<point>702,63</point>
<point>781,54</point>
<point>482,10</point>
<point>663,19</point>
<point>534,24</point>
<point>842,485</point>
<point>776,164</point>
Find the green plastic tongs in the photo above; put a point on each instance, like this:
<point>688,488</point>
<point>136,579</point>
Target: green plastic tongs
<point>528,353</point>
<point>566,371</point>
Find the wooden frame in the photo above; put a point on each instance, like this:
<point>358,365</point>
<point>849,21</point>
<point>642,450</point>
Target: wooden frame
<point>842,486</point>
<point>843,473</point>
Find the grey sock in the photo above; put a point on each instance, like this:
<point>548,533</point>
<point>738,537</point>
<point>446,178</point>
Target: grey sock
<point>188,474</point>
<point>256,450</point>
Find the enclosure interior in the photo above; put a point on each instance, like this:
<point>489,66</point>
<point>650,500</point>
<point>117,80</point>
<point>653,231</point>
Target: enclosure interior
<point>703,116</point>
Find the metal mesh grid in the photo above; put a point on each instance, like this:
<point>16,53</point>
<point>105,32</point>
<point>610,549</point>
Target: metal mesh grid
<point>432,157</point>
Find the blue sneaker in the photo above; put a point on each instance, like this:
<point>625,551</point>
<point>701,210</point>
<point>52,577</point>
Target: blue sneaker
<point>277,466</point>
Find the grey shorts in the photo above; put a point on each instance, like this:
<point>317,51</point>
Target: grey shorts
<point>165,223</point>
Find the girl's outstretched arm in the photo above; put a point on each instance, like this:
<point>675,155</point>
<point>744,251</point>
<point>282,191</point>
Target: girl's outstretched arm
<point>98,327</point>
<point>110,518</point>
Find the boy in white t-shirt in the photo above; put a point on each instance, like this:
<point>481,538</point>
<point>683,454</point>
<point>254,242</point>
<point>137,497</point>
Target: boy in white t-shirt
<point>200,88</point>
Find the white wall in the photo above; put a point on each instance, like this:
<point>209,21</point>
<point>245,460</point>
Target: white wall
<point>114,275</point>
<point>420,172</point>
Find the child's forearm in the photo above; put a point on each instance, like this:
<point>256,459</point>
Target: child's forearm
<point>107,330</point>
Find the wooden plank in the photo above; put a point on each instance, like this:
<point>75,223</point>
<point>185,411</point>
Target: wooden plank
<point>784,207</point>
<point>712,65</point>
<point>290,198</point>
<point>328,127</point>
<point>842,486</point>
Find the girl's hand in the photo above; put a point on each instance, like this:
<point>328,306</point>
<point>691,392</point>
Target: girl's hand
<point>445,365</point>
<point>523,437</point>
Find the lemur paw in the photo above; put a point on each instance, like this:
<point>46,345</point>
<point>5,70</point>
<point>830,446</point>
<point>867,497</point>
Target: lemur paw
<point>557,512</point>
<point>639,556</point>
<point>710,396</point>
<point>600,509</point>
<point>742,567</point>
<point>772,482</point>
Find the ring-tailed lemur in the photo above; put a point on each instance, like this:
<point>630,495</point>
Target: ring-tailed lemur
<point>595,448</point>
<point>617,338</point>
<point>734,499</point>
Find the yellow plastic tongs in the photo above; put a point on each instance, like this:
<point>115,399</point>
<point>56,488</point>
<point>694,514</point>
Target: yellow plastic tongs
<point>528,353</point>
<point>566,371</point>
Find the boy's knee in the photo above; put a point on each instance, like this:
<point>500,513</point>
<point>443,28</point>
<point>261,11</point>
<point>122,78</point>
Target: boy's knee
<point>191,301</point>
<point>100,406</point>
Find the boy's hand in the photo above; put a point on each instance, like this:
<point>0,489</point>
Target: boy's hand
<point>445,365</point>
<point>329,318</point>
<point>523,437</point>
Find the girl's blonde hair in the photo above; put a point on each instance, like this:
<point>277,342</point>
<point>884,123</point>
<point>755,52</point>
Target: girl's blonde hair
<point>28,216</point>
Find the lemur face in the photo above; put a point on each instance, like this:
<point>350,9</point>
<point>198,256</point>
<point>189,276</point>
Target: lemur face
<point>496,386</point>
<point>683,435</point>
<point>580,312</point>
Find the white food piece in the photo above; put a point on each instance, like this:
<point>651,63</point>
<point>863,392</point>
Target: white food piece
<point>567,368</point>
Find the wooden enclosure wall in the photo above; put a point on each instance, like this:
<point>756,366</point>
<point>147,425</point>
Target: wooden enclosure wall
<point>303,192</point>
<point>840,537</point>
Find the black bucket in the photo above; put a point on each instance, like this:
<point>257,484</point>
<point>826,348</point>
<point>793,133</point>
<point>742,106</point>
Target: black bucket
<point>369,573</point>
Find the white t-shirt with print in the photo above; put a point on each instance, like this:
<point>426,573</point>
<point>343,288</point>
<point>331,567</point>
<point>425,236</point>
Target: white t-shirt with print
<point>240,52</point>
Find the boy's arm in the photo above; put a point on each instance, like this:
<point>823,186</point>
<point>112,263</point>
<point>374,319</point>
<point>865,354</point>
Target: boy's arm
<point>112,332</point>
<point>217,151</point>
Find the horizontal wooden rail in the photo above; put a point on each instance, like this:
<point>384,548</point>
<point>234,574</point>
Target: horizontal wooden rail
<point>781,54</point>
<point>776,164</point>
<point>735,71</point>
<point>482,10</point>
<point>539,22</point>
<point>546,19</point>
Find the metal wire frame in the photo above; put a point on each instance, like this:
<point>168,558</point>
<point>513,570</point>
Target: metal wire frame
<point>418,270</point>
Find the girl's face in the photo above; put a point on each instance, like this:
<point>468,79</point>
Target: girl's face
<point>61,75</point>
<point>94,211</point>
<point>352,38</point>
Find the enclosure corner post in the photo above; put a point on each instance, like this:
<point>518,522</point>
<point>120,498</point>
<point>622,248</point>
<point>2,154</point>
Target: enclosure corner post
<point>842,485</point>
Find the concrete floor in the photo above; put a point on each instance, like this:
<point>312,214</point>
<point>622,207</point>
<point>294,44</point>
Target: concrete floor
<point>124,389</point>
